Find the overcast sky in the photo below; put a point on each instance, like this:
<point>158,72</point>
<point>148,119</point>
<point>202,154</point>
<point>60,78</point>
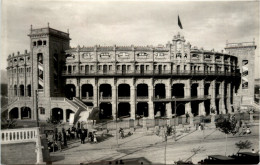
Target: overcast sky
<point>206,24</point>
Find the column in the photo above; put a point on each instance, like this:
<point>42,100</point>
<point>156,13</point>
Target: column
<point>168,105</point>
<point>212,92</point>
<point>201,88</point>
<point>187,91</point>
<point>222,98</point>
<point>114,101</point>
<point>202,109</point>
<point>188,108</point>
<point>229,109</point>
<point>150,103</point>
<point>77,91</point>
<point>19,113</point>
<point>80,92</point>
<point>132,101</point>
<point>64,116</point>
<point>95,95</point>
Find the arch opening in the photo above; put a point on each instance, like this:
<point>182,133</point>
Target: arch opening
<point>194,90</point>
<point>57,114</point>
<point>142,90</point>
<point>105,90</point>
<point>142,109</point>
<point>159,110</point>
<point>25,113</point>
<point>123,110</point>
<point>70,91</point>
<point>105,111</point>
<point>21,90</point>
<point>86,91</point>
<point>68,114</point>
<point>14,113</point>
<point>124,90</point>
<point>178,90</point>
<point>160,90</point>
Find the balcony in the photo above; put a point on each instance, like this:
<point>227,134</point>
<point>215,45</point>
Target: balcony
<point>142,98</point>
<point>190,98</point>
<point>106,99</point>
<point>87,98</point>
<point>124,98</point>
<point>162,73</point>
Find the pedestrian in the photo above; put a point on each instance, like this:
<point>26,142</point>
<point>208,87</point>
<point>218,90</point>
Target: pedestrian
<point>248,131</point>
<point>199,127</point>
<point>253,151</point>
<point>64,137</point>
<point>82,137</point>
<point>59,141</point>
<point>95,138</point>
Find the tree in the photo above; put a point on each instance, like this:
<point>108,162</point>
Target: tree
<point>227,126</point>
<point>243,145</point>
<point>53,122</point>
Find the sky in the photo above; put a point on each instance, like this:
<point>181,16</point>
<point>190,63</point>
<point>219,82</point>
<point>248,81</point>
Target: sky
<point>207,24</point>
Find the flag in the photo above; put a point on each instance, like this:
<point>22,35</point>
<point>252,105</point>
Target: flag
<point>179,22</point>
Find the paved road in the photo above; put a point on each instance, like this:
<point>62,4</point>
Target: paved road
<point>152,147</point>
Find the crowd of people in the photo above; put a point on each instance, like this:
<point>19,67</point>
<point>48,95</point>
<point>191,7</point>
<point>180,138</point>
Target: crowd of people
<point>59,138</point>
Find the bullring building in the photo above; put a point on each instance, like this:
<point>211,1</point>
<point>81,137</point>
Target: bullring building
<point>53,79</point>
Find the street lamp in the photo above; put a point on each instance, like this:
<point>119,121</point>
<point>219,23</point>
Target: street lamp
<point>174,117</point>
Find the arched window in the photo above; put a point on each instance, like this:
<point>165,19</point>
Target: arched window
<point>39,43</point>
<point>40,58</point>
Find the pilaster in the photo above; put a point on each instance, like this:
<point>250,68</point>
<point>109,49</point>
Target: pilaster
<point>132,102</point>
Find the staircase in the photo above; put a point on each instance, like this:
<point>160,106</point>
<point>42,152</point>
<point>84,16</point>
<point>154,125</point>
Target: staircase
<point>80,107</point>
<point>5,108</point>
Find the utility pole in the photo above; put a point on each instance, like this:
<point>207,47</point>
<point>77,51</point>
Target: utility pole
<point>175,118</point>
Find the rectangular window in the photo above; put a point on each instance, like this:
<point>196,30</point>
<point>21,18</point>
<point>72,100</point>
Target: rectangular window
<point>91,67</point>
<point>42,111</point>
<point>110,67</point>
<point>128,67</point>
<point>81,67</point>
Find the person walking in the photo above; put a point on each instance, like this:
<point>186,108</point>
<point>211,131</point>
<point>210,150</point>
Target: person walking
<point>82,137</point>
<point>95,138</point>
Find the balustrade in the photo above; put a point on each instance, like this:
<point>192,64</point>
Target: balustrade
<point>19,135</point>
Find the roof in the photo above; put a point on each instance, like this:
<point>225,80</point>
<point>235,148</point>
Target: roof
<point>220,157</point>
<point>248,153</point>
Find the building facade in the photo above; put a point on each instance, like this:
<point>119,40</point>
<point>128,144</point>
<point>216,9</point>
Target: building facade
<point>127,81</point>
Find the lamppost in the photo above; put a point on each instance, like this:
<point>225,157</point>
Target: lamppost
<point>174,117</point>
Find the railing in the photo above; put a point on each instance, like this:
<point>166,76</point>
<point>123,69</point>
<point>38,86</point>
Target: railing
<point>19,135</point>
<point>124,98</point>
<point>142,97</point>
<point>25,98</point>
<point>4,108</point>
<point>71,102</point>
<point>57,98</point>
<point>152,73</point>
<point>80,103</point>
<point>105,98</point>
<point>179,98</point>
<point>87,98</point>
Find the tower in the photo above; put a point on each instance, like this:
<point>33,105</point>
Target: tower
<point>245,53</point>
<point>48,55</point>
